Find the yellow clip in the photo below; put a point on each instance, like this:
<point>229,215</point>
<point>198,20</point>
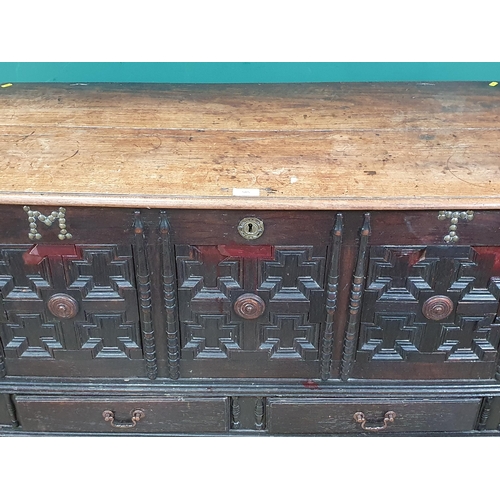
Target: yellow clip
<point>493,84</point>
<point>5,85</point>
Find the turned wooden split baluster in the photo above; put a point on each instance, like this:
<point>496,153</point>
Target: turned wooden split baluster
<point>331,298</point>
<point>170,297</point>
<point>144,288</point>
<point>355,301</point>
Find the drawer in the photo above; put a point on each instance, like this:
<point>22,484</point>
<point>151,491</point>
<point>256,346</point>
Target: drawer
<point>154,415</point>
<point>324,416</point>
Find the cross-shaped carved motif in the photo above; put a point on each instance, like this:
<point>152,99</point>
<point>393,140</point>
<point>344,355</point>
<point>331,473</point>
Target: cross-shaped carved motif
<point>294,272</point>
<point>110,336</point>
<point>212,336</point>
<point>32,337</point>
<point>402,279</point>
<point>101,273</point>
<point>289,337</point>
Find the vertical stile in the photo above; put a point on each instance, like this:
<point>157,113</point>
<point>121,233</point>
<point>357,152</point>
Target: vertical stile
<point>355,301</point>
<point>169,297</point>
<point>11,409</point>
<point>331,298</point>
<point>144,288</point>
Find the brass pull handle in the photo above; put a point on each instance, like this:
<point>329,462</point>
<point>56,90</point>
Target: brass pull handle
<point>360,418</point>
<point>109,416</point>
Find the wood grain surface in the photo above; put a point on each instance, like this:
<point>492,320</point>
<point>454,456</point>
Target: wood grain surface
<point>302,146</point>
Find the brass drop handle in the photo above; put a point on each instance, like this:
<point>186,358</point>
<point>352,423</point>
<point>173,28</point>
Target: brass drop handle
<point>109,416</point>
<point>359,418</point>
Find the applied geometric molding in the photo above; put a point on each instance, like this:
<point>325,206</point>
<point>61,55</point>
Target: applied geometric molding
<point>293,274</point>
<point>110,336</point>
<point>31,336</point>
<point>211,336</point>
<point>288,337</point>
<point>401,281</point>
<point>20,281</point>
<point>101,273</point>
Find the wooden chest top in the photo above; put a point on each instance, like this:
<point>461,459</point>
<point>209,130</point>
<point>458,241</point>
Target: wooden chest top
<point>296,146</point>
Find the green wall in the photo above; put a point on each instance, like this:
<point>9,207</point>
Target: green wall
<point>246,72</point>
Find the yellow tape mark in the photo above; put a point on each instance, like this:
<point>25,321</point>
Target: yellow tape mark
<point>5,85</point>
<point>493,84</point>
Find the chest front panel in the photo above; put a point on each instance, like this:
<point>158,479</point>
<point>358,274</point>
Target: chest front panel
<point>69,306</point>
<point>252,309</point>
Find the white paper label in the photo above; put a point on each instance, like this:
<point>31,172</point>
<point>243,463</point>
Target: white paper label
<point>246,192</point>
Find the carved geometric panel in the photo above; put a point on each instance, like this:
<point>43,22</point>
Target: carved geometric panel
<point>402,283</point>
<point>211,336</point>
<point>294,274</point>
<point>101,273</point>
<point>19,281</point>
<point>98,279</point>
<point>32,336</point>
<point>289,281</point>
<point>290,337</point>
<point>110,336</point>
<point>208,280</point>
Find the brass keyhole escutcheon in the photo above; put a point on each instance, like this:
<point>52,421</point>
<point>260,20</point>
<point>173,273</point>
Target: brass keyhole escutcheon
<point>251,228</point>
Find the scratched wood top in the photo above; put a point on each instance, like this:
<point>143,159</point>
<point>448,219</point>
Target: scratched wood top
<point>295,146</point>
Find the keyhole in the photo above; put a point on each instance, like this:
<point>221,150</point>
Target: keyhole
<point>251,228</point>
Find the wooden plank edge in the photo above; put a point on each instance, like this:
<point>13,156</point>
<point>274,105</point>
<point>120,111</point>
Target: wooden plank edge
<point>251,202</point>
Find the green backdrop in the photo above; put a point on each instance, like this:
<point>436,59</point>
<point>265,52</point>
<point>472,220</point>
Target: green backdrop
<point>246,72</point>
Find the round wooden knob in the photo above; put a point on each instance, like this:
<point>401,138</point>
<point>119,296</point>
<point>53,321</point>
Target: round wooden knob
<point>249,306</point>
<point>437,307</point>
<point>63,306</point>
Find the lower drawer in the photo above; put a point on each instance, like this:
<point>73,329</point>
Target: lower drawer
<point>102,414</point>
<point>327,416</point>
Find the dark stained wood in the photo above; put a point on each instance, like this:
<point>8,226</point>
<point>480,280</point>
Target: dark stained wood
<point>145,305</point>
<point>289,281</point>
<point>323,416</point>
<point>395,330</point>
<point>484,413</point>
<point>331,298</point>
<point>170,297</point>
<point>235,413</point>
<point>2,361</point>
<point>106,327</point>
<point>7,411</point>
<point>355,301</point>
<point>162,415</point>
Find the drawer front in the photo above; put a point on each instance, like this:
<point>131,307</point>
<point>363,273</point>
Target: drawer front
<point>324,416</point>
<point>152,415</point>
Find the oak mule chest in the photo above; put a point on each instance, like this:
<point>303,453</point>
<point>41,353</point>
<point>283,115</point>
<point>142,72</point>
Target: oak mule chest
<point>250,259</point>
